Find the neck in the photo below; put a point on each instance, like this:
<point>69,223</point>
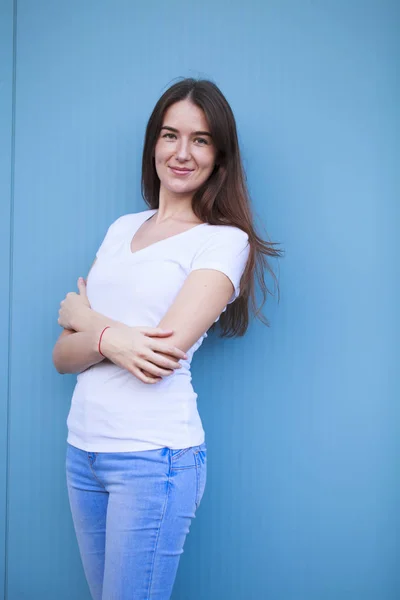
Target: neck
<point>174,207</point>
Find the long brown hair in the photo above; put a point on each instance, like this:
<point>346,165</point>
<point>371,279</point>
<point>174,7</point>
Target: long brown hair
<point>223,199</point>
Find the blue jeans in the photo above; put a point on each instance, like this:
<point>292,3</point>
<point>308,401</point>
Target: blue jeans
<point>131,513</point>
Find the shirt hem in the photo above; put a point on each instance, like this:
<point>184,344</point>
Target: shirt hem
<point>127,445</point>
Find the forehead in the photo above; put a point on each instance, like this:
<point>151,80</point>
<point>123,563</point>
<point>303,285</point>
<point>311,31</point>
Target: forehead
<point>185,115</point>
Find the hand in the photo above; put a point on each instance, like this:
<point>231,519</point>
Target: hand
<point>136,349</point>
<point>72,303</point>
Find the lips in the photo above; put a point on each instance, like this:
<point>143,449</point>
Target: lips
<point>180,170</point>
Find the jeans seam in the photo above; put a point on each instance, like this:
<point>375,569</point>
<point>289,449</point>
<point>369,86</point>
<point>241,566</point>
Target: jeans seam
<point>159,527</point>
<point>95,476</point>
<point>183,468</point>
<point>197,482</point>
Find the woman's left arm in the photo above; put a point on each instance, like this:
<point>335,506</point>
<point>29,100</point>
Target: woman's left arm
<point>214,280</point>
<point>198,304</point>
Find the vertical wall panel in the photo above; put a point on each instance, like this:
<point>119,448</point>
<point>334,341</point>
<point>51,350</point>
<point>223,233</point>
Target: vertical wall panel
<point>301,420</point>
<point>6,191</point>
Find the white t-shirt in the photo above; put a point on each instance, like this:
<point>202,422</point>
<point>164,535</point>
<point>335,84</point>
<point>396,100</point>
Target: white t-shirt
<point>112,410</point>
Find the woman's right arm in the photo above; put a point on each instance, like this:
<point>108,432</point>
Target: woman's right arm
<point>75,352</point>
<point>136,349</point>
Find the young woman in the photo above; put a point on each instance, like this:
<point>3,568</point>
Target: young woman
<point>136,455</point>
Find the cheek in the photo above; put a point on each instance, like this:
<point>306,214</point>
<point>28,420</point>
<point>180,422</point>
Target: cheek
<point>161,152</point>
<point>157,154</point>
<point>206,161</point>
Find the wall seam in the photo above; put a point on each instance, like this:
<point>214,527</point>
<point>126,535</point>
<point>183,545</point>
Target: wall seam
<point>10,293</point>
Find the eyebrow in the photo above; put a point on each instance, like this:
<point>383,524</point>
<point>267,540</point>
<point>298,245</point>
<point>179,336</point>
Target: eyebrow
<point>193,133</point>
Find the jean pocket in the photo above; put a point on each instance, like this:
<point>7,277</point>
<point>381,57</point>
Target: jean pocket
<point>201,472</point>
<point>183,459</point>
<point>175,454</point>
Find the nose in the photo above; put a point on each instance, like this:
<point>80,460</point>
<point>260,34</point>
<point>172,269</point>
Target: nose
<point>183,150</point>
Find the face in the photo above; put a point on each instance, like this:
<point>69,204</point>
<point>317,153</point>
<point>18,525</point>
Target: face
<point>184,153</point>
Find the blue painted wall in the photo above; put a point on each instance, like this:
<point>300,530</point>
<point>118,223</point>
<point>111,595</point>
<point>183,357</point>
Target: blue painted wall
<point>302,420</point>
<point>6,191</point>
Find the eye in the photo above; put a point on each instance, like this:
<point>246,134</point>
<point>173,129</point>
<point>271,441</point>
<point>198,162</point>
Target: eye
<point>201,141</point>
<point>169,136</point>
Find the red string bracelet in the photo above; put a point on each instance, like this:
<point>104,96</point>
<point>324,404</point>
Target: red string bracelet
<point>101,335</point>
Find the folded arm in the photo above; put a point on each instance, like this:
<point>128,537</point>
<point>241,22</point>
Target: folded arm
<point>77,349</point>
<point>77,346</point>
<point>200,301</point>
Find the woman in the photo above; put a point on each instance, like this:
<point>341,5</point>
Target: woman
<point>136,457</point>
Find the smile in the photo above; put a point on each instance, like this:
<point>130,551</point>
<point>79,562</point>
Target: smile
<point>180,172</point>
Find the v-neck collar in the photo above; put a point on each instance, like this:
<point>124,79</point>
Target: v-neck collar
<point>147,216</point>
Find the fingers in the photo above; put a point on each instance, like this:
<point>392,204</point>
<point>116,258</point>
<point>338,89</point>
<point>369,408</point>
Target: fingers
<point>82,287</point>
<point>165,349</point>
<point>160,347</point>
<point>142,376</point>
<point>162,361</point>
<point>147,374</point>
<point>152,369</point>
<point>156,331</point>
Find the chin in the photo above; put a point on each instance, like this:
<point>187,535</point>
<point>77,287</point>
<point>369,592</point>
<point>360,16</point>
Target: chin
<point>179,189</point>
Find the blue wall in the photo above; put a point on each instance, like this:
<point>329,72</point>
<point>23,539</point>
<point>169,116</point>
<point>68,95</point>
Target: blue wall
<point>6,188</point>
<point>301,419</point>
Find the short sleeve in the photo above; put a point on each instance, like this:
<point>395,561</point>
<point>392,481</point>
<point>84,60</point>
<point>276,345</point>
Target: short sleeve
<point>226,250</point>
<point>115,233</point>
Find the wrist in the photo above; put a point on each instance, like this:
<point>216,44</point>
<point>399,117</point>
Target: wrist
<point>81,319</point>
<point>101,345</point>
<point>103,342</point>
<point>107,339</point>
